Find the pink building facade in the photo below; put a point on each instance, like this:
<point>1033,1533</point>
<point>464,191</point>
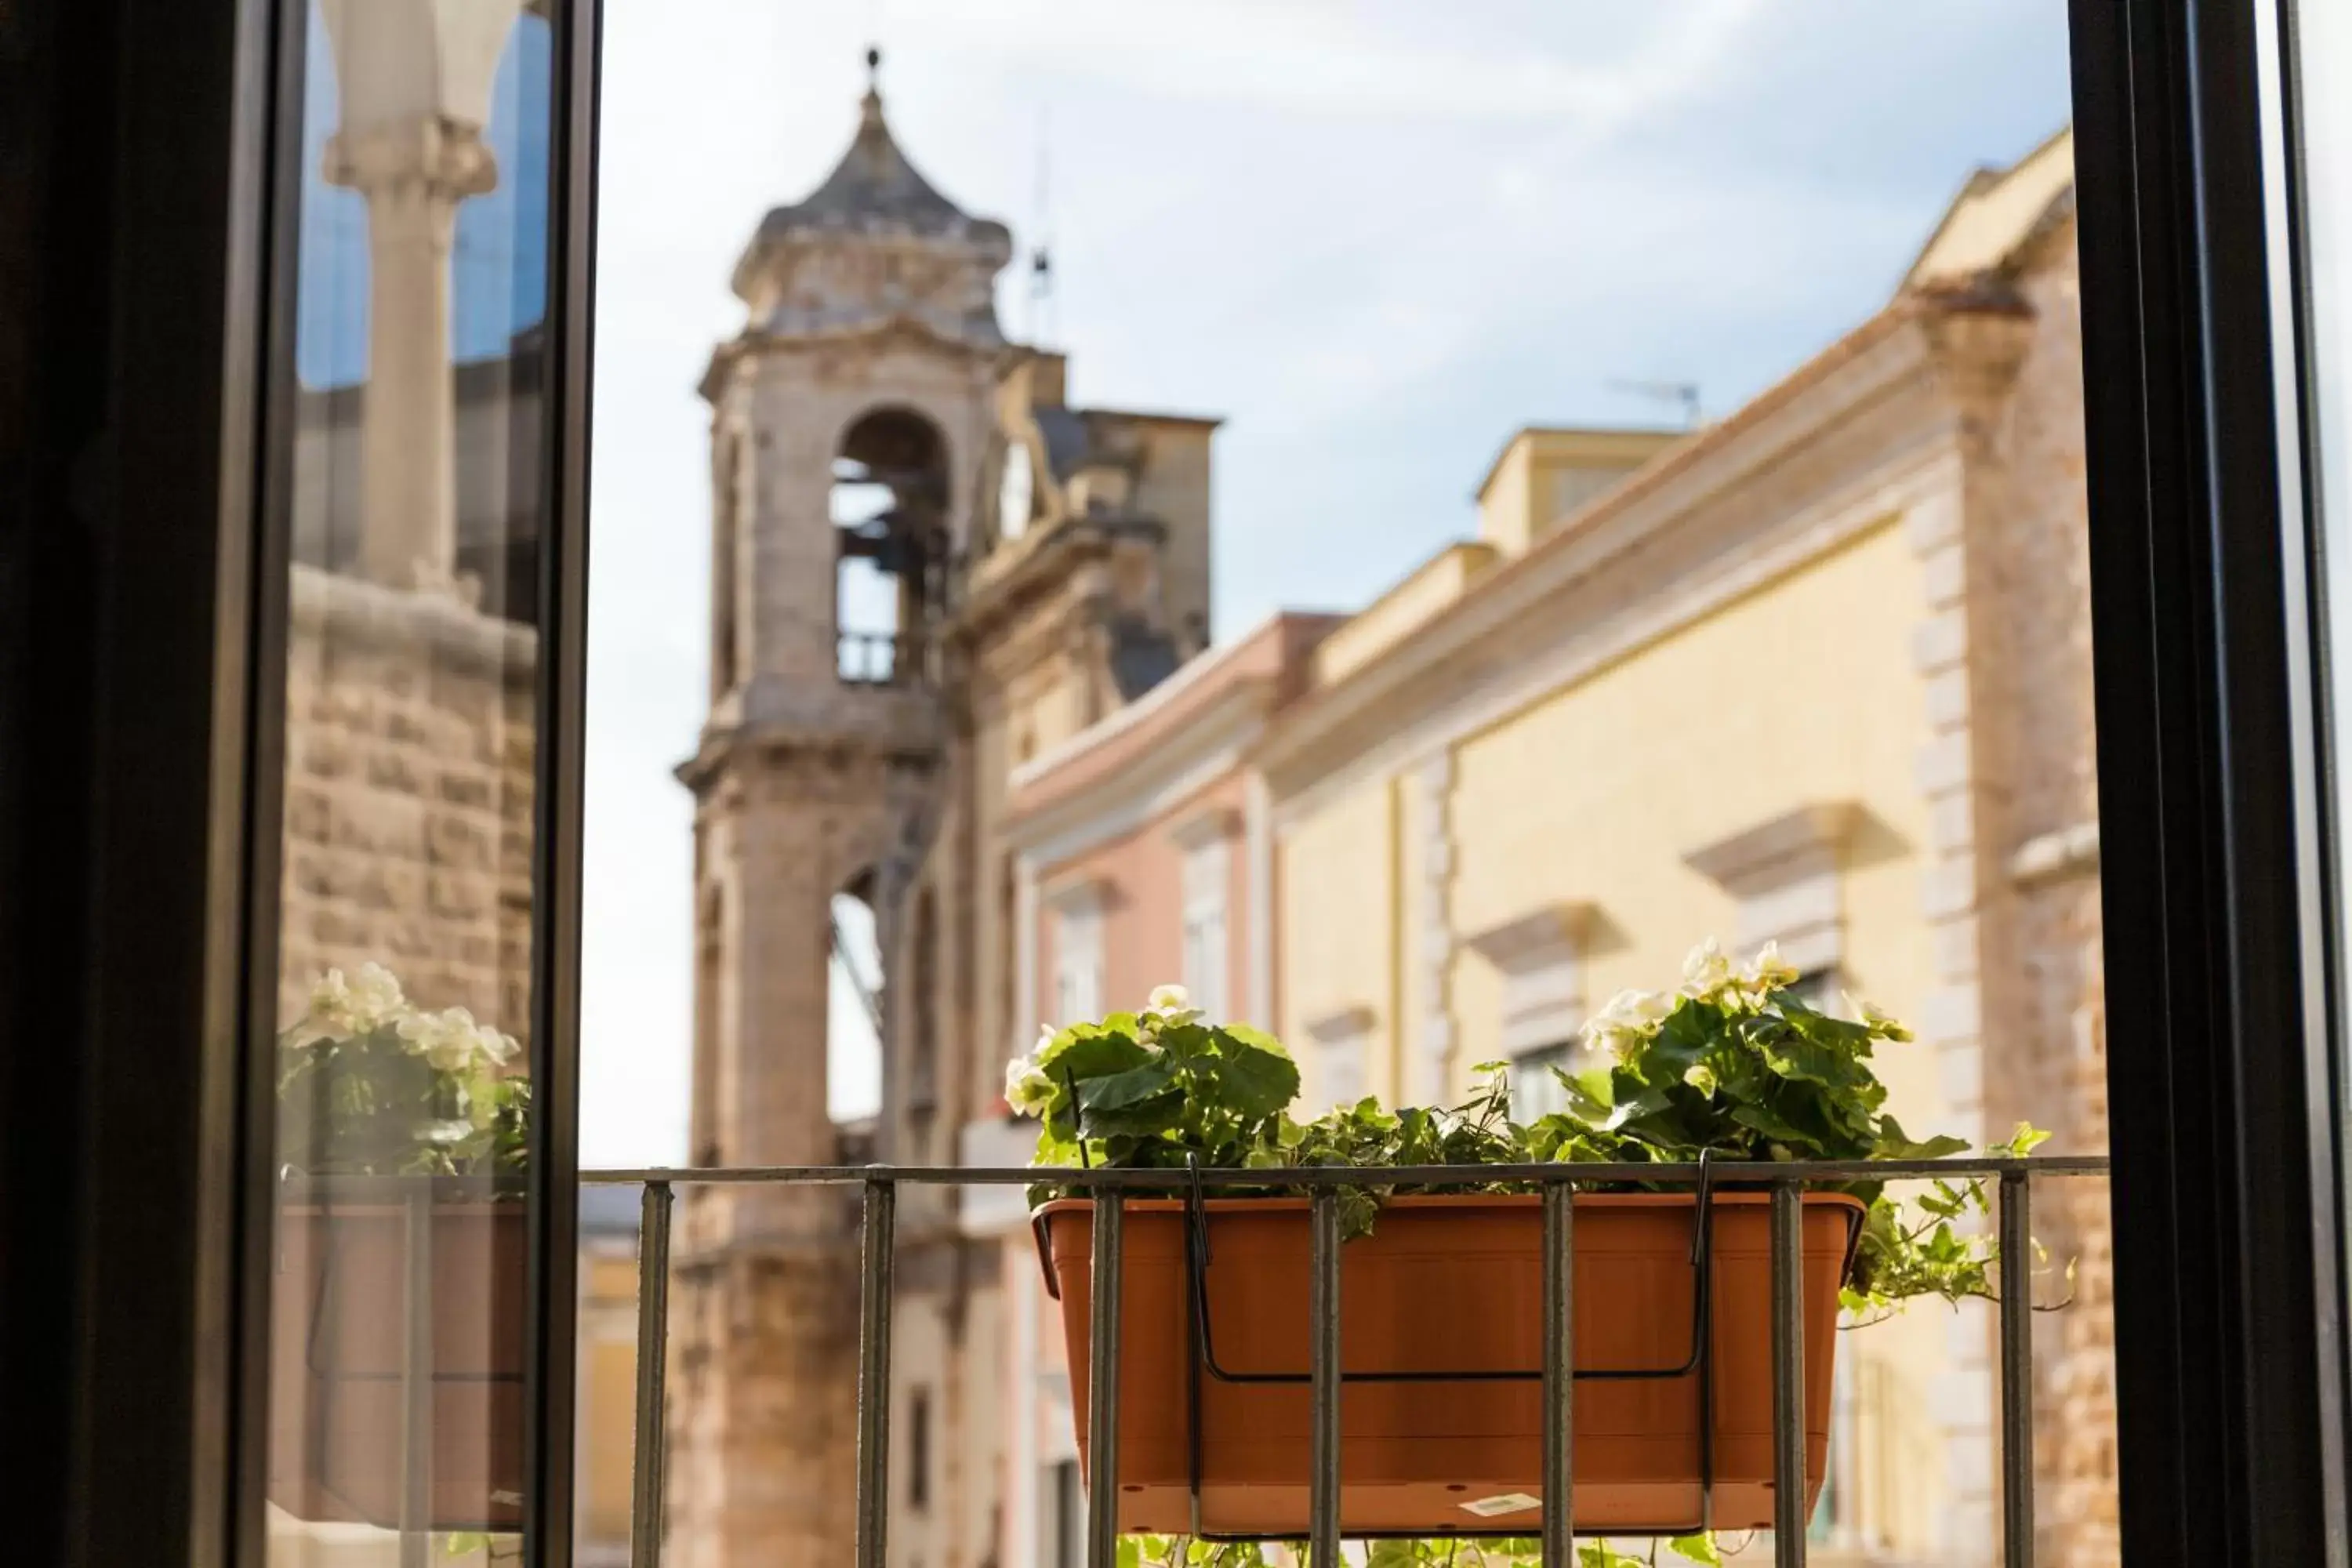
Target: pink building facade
<point>1143,856</point>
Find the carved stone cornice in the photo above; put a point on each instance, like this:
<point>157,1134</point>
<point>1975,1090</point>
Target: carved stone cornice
<point>1892,409</point>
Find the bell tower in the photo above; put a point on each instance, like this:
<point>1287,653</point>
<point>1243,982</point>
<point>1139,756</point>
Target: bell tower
<point>850,419</point>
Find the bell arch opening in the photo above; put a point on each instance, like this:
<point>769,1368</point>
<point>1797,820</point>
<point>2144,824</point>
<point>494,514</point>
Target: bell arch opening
<point>890,507</point>
<point>854,982</point>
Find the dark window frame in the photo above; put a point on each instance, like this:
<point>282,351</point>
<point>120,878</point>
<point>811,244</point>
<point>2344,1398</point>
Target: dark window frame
<point>2229,1340</point>
<point>151,264</point>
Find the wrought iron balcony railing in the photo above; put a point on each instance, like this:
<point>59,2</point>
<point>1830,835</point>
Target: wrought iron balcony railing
<point>1322,1184</point>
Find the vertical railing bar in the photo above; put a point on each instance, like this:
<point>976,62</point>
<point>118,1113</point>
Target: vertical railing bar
<point>2016,1371</point>
<point>1560,1376</point>
<point>651,1447</point>
<point>879,1251</point>
<point>416,1379</point>
<point>1323,1324</point>
<point>1102,1381</point>
<point>1787,1375</point>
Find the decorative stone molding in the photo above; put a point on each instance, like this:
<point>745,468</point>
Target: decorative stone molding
<point>1202,828</point>
<point>2054,857</point>
<point>1426,1068</point>
<point>1541,955</point>
<point>1785,874</point>
<point>1080,896</point>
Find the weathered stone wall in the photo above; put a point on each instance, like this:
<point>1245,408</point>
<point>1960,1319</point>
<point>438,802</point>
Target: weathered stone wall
<point>2047,1054</point>
<point>410,753</point>
<point>763,1409</point>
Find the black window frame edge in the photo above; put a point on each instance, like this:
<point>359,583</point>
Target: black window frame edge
<point>133,315</point>
<point>2218,987</point>
<point>150,163</point>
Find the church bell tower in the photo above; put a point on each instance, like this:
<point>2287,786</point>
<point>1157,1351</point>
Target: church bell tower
<point>849,420</point>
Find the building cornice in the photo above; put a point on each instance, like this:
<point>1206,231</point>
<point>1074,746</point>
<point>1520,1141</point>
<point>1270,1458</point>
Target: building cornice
<point>899,329</point>
<point>1207,747</point>
<point>1834,450</point>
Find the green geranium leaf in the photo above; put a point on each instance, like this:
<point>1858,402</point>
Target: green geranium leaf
<point>1254,1082</point>
<point>1113,1090</point>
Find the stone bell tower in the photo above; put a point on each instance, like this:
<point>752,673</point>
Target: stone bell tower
<point>849,419</point>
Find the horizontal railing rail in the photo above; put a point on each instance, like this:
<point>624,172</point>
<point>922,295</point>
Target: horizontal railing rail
<point>1786,1182</point>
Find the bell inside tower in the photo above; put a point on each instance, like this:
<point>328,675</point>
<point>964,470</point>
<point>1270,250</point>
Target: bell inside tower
<point>889,509</point>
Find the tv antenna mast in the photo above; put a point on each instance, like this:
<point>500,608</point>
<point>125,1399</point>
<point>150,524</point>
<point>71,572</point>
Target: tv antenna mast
<point>1041,251</point>
<point>1683,393</point>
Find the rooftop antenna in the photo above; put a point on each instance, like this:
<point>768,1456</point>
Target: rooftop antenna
<point>1685,394</point>
<point>1041,253</point>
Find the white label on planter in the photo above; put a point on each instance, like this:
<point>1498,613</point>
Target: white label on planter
<point>1509,1503</point>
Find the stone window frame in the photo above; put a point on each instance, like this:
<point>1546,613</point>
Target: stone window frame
<point>1786,874</point>
<point>1080,950</point>
<point>1540,956</point>
<point>1206,841</point>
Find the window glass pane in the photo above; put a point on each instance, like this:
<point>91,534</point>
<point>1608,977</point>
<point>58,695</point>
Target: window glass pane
<point>1407,526</point>
<point>413,677</point>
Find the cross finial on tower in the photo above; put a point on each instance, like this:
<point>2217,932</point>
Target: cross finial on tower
<point>871,107</point>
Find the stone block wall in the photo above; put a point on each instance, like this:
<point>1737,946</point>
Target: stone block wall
<point>410,759</point>
<point>2047,1052</point>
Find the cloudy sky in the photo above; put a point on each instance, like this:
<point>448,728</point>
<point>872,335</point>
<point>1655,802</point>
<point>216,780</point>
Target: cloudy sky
<point>1376,236</point>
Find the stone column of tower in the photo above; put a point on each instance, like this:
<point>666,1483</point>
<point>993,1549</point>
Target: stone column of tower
<point>870,340</point>
<point>415,80</point>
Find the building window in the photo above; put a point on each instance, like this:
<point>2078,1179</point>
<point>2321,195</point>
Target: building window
<point>1207,877</point>
<point>1784,876</point>
<point>918,1449</point>
<point>1535,1090</point>
<point>1079,958</point>
<point>1067,1531</point>
<point>923,1050</point>
<point>1540,957</point>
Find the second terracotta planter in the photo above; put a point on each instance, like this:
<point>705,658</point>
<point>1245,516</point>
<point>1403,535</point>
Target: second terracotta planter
<point>1453,1283</point>
<point>340,1392</point>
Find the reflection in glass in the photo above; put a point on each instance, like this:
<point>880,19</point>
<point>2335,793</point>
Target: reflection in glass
<point>399,1295</point>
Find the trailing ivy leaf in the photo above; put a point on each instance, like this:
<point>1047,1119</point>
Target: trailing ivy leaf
<point>1894,1143</point>
<point>2024,1141</point>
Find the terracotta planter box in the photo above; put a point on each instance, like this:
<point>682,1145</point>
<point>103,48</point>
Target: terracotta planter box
<point>337,1335</point>
<point>1453,1283</point>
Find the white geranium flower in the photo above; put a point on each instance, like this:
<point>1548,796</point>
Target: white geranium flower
<point>343,1009</point>
<point>1027,1089</point>
<point>375,995</point>
<point>450,1039</point>
<point>498,1045</point>
<point>1172,1004</point>
<point>1707,973</point>
<point>1630,1018</point>
<point>1770,971</point>
<point>1885,1022</point>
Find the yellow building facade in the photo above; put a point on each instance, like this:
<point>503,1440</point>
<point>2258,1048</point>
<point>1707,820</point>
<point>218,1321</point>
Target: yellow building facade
<point>1817,674</point>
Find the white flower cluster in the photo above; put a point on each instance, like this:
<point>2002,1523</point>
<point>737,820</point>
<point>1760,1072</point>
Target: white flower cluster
<point>1027,1089</point>
<point>1633,1016</point>
<point>450,1040</point>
